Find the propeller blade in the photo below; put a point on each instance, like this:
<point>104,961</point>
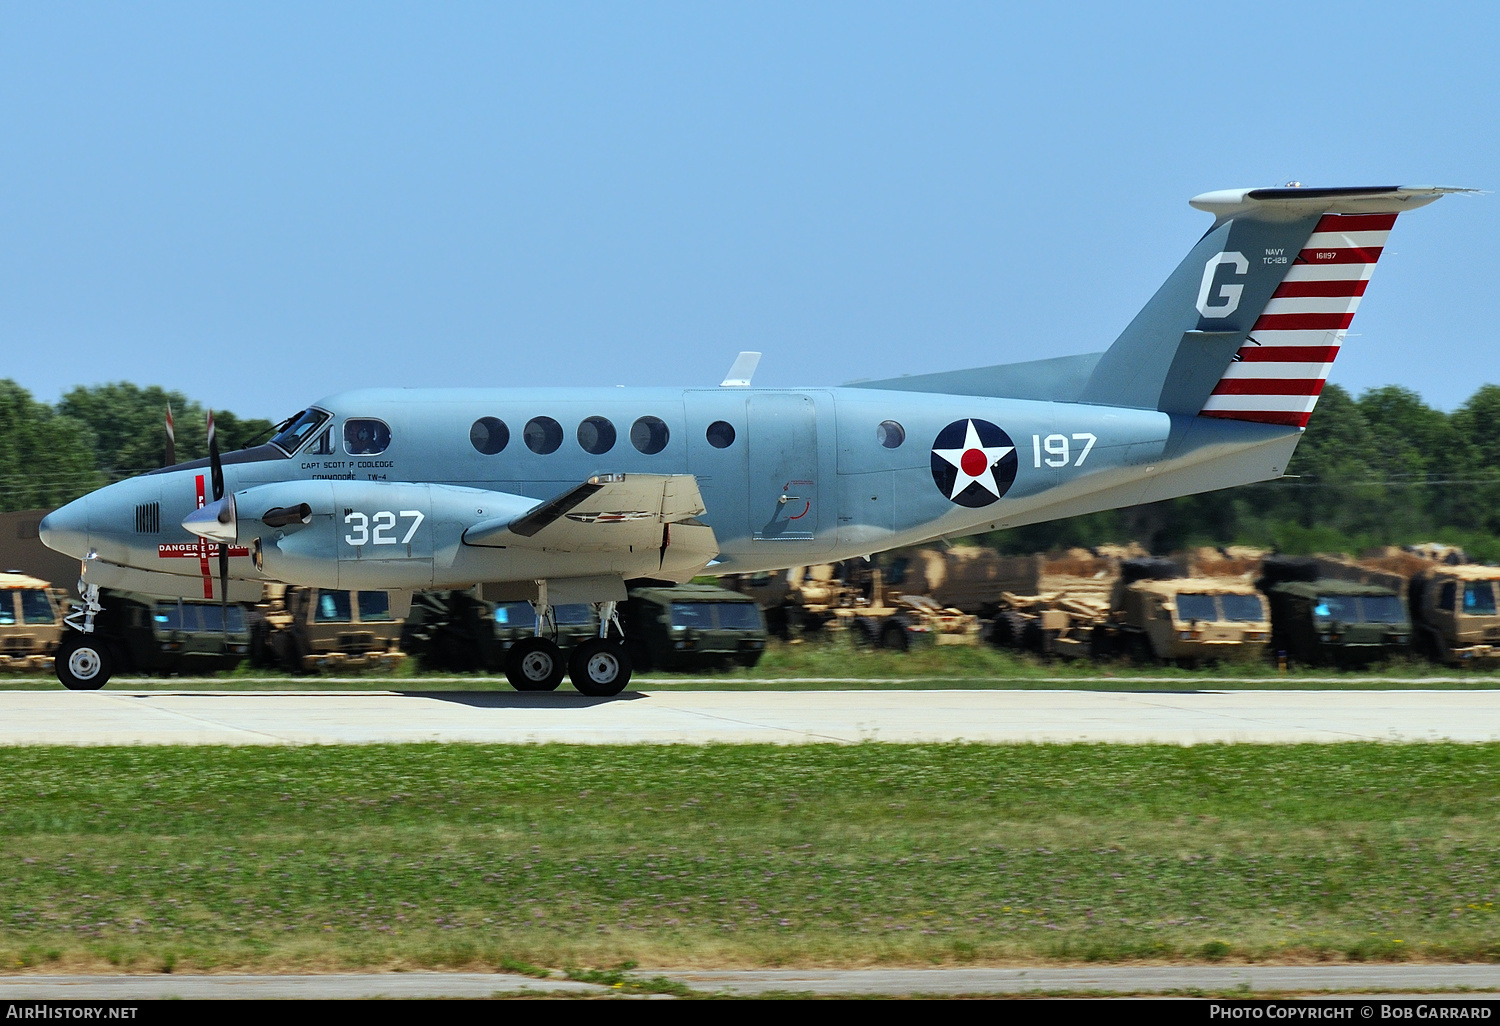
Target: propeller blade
<point>213,458</point>
<point>171,460</point>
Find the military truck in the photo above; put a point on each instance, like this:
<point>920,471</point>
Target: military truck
<point>150,634</point>
<point>459,632</point>
<point>692,627</point>
<point>311,630</point>
<point>1325,621</point>
<point>1158,614</point>
<point>1454,615</point>
<point>30,623</point>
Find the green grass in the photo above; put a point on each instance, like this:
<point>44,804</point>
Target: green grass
<point>572,859</point>
<point>835,664</point>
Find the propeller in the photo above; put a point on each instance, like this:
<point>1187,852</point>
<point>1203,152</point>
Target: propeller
<point>217,468</point>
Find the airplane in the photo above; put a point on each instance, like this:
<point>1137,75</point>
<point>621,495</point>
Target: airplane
<point>565,495</point>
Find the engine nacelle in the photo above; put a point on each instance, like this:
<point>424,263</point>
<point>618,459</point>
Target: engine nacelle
<point>370,534</point>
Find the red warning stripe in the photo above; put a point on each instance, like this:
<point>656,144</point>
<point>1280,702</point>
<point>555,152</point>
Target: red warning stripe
<point>1261,416</point>
<point>1269,386</point>
<point>1303,322</point>
<point>1288,354</point>
<point>1355,223</point>
<point>1351,255</point>
<point>1308,289</point>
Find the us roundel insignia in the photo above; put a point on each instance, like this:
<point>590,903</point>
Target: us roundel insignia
<point>973,462</point>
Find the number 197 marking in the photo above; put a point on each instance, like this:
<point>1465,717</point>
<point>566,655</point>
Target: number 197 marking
<point>1058,451</point>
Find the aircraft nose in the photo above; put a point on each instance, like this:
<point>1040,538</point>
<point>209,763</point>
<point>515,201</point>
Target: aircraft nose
<point>66,529</point>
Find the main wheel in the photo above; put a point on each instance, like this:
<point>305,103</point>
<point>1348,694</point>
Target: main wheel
<point>82,662</point>
<point>534,664</point>
<point>600,668</point>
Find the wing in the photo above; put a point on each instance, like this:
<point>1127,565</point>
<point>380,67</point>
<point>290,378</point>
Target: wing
<point>650,518</point>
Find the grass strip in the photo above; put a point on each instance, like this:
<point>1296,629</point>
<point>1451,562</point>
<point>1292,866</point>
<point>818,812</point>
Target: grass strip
<point>530,857</point>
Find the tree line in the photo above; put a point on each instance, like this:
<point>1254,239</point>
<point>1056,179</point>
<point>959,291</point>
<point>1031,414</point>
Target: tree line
<point>1381,469</point>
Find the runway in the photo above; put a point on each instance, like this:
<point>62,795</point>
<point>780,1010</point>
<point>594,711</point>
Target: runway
<point>124,717</point>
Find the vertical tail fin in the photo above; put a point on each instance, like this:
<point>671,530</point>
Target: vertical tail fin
<point>1278,374</point>
<point>1248,325</point>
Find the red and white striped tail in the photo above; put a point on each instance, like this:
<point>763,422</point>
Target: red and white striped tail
<point>1279,372</point>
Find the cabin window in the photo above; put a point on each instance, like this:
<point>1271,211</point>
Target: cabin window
<point>721,434</point>
<point>890,434</point>
<point>649,435</point>
<point>366,437</point>
<point>596,435</point>
<point>489,435</point>
<point>543,435</point>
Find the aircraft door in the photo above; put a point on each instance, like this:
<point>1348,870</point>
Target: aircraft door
<point>784,500</point>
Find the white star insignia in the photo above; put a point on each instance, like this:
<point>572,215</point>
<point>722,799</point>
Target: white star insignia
<point>975,451</point>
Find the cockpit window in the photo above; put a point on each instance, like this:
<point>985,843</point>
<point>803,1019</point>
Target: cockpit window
<point>366,437</point>
<point>323,446</point>
<point>299,430</point>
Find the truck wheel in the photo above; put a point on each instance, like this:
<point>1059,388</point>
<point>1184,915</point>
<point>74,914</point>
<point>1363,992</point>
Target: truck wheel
<point>82,662</point>
<point>1008,629</point>
<point>893,636</point>
<point>534,664</point>
<point>600,668</point>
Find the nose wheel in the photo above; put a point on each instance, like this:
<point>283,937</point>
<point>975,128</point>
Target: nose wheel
<point>82,662</point>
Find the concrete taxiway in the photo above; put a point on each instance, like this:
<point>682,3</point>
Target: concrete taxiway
<point>115,717</point>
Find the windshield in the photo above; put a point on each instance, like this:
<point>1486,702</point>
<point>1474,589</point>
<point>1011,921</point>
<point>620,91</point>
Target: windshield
<point>1196,607</point>
<point>291,437</point>
<point>739,616</point>
<point>374,606</point>
<point>1337,607</point>
<point>1479,598</point>
<point>573,613</point>
<point>35,608</point>
<point>1383,609</point>
<point>333,607</point>
<point>692,614</point>
<point>212,618</point>
<point>1242,607</point>
<point>515,614</point>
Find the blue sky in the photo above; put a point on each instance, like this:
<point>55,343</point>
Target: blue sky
<point>260,204</point>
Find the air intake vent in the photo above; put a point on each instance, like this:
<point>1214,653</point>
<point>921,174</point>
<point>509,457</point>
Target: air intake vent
<point>148,518</point>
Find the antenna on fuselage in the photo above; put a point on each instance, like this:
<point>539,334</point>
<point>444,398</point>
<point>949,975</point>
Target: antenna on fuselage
<point>743,370</point>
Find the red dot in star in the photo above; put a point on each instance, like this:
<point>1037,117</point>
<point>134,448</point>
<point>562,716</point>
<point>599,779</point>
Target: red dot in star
<point>973,462</point>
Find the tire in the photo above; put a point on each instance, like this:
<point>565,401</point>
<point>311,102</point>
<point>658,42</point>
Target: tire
<point>893,636</point>
<point>1008,629</point>
<point>83,662</point>
<point>600,668</point>
<point>534,664</point>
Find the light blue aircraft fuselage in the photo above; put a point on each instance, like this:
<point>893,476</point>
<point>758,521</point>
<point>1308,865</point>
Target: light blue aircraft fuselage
<point>557,494</point>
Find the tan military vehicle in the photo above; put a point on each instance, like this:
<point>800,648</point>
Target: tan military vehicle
<point>1188,620</point>
<point>1454,615</point>
<point>313,630</point>
<point>30,623</point>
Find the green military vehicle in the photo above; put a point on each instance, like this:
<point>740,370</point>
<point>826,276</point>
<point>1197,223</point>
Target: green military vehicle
<point>458,631</point>
<point>150,634</point>
<point>692,627</point>
<point>1158,614</point>
<point>30,623</point>
<point>1454,615</point>
<point>312,630</point>
<point>1323,621</point>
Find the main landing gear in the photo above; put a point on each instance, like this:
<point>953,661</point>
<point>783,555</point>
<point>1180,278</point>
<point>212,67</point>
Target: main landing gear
<point>599,667</point>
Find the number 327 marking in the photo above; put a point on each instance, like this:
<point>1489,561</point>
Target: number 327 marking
<point>375,530</point>
<point>1058,451</point>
